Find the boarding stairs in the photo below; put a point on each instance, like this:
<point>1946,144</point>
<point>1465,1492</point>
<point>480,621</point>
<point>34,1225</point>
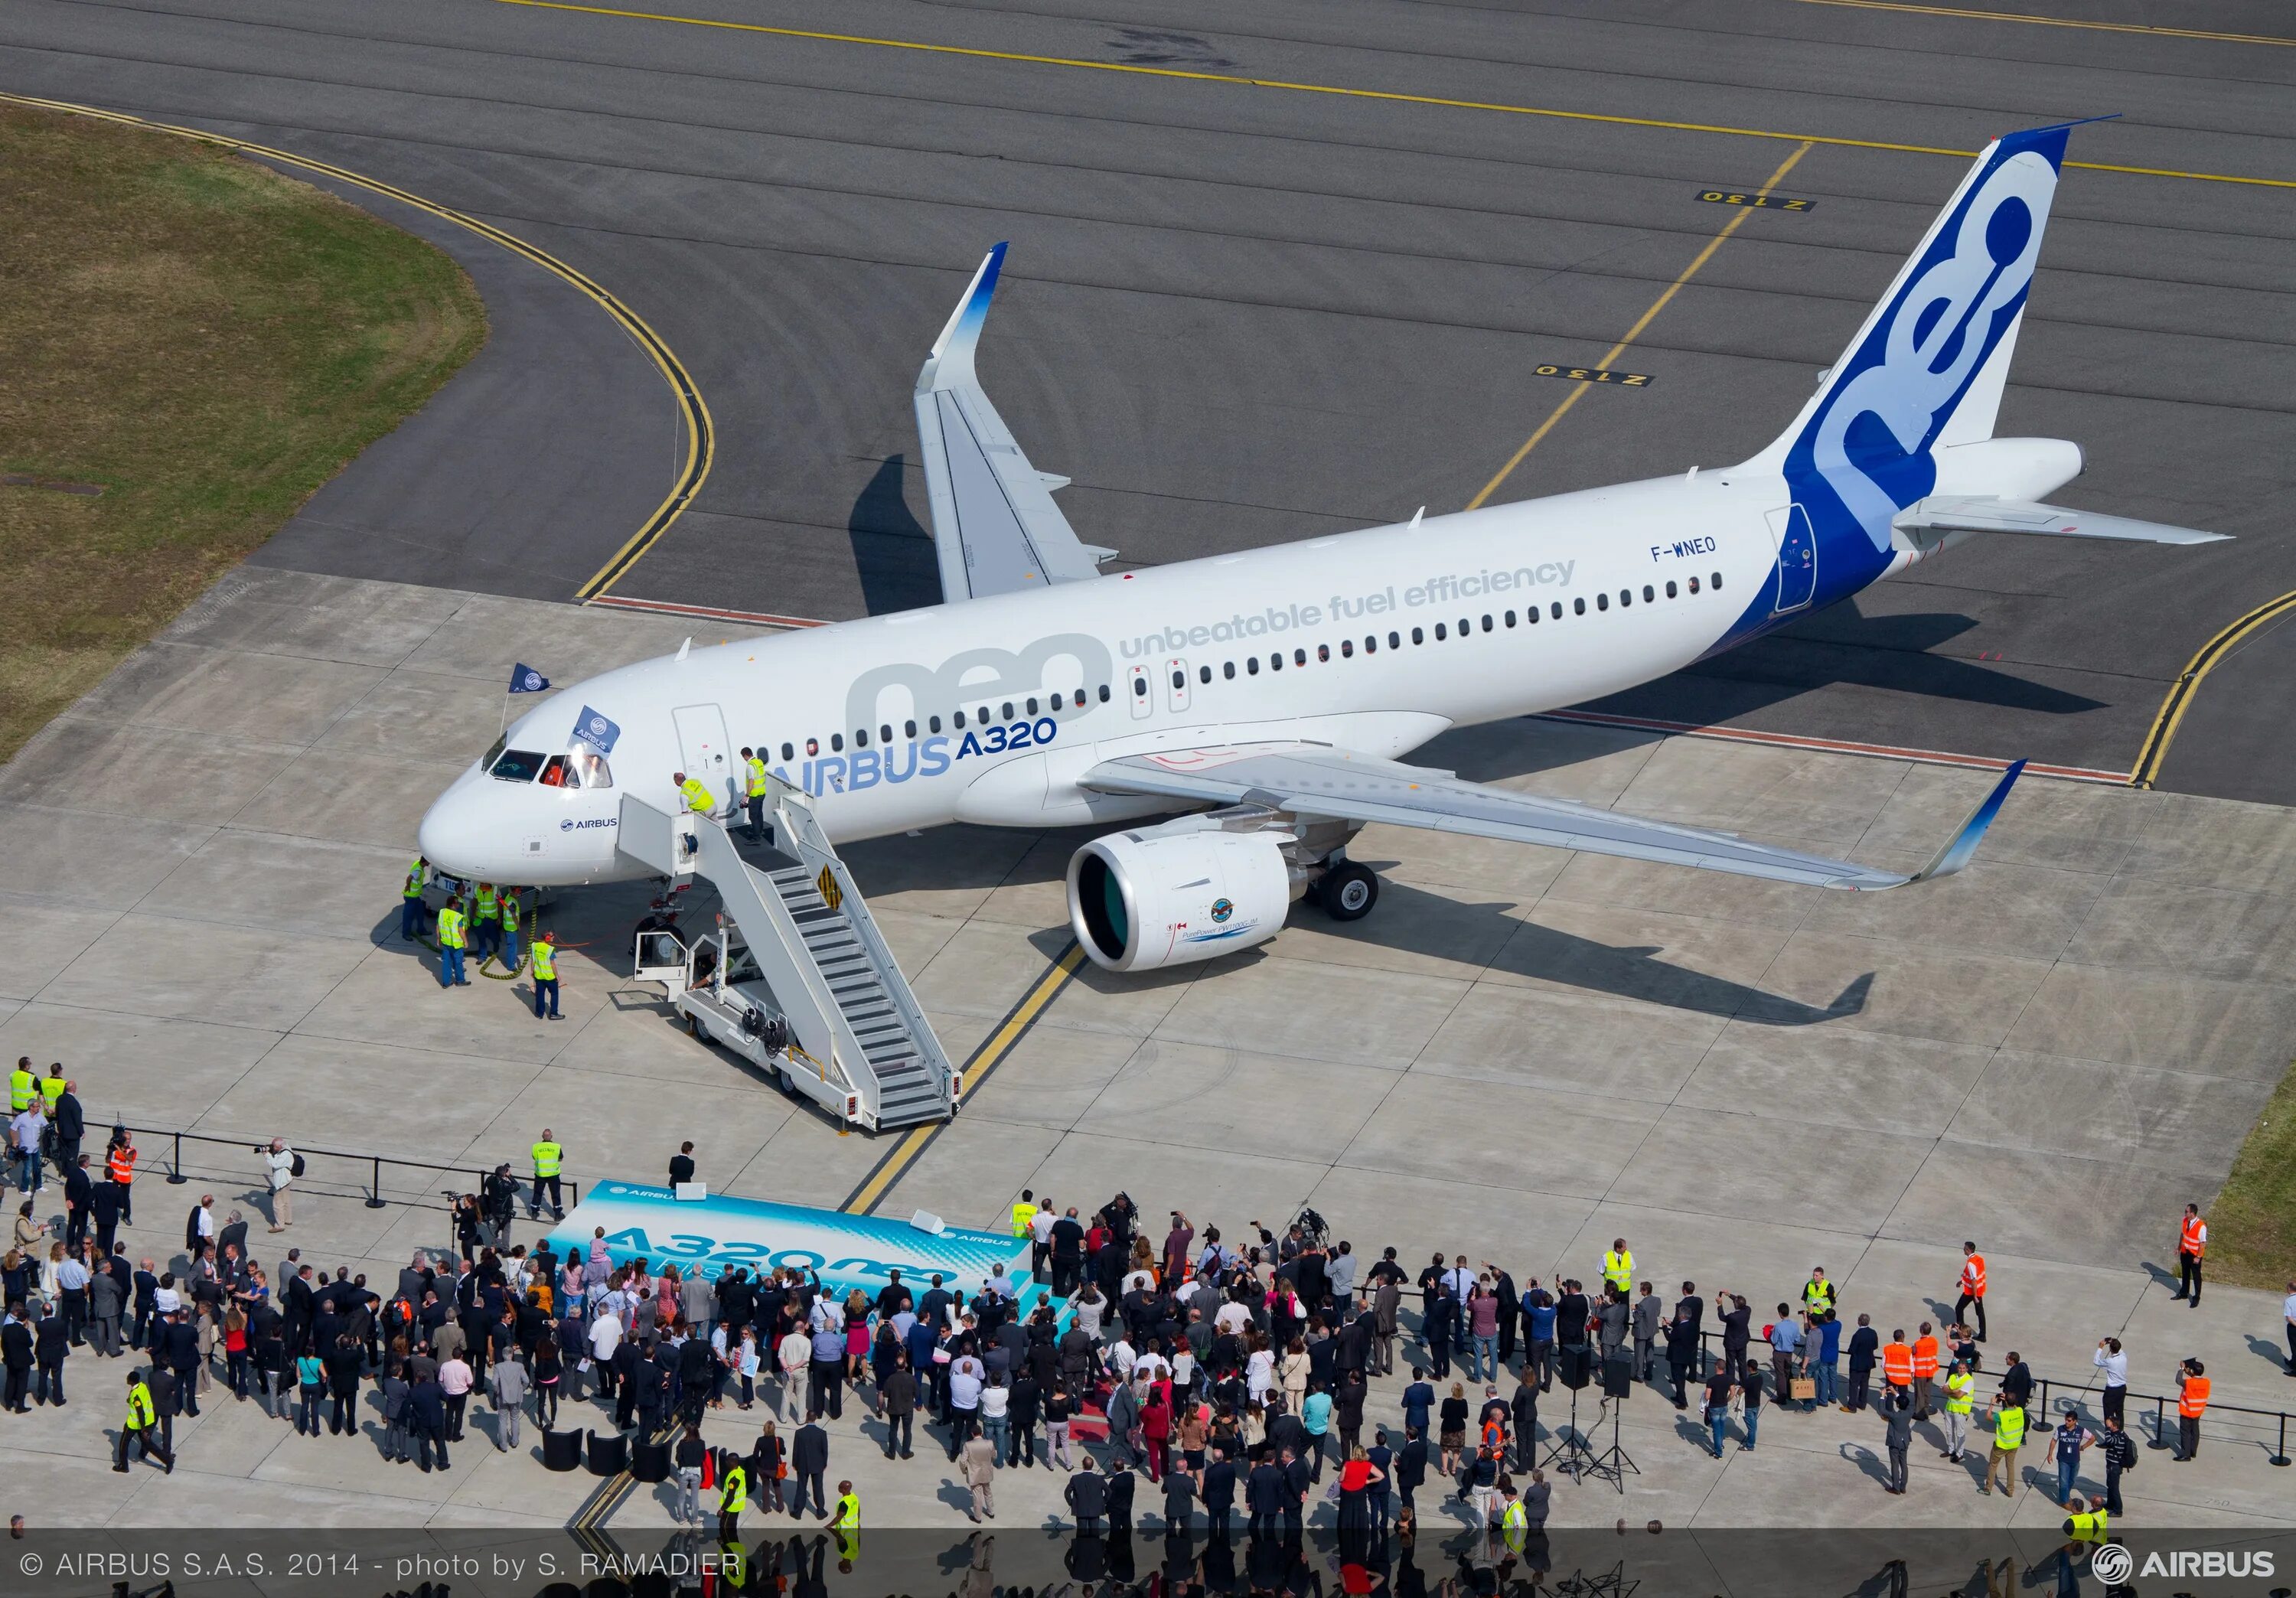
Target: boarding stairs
<point>858,1041</point>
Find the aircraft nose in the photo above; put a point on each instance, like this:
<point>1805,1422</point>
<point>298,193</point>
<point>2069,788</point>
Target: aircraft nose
<point>454,834</point>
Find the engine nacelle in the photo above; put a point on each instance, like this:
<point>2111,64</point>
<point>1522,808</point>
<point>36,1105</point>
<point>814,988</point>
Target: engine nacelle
<point>1165,896</point>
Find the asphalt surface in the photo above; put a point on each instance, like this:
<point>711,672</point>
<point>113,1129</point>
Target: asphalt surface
<point>1239,314</point>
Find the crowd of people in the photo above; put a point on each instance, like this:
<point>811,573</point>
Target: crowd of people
<point>1232,1374</point>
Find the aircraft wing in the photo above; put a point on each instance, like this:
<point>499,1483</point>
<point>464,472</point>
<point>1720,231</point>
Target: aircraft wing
<point>994,521</point>
<point>1321,781</point>
<point>1985,513</point>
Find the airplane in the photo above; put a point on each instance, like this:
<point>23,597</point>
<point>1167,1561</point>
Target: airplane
<point>1270,694</point>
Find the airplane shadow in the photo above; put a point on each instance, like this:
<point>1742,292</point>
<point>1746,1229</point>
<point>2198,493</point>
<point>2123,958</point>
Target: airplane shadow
<point>893,552</point>
<point>1840,645</point>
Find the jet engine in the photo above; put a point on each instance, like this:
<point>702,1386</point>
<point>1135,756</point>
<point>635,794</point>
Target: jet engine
<point>1165,896</point>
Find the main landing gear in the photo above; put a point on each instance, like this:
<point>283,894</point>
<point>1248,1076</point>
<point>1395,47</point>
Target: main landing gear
<point>1347,891</point>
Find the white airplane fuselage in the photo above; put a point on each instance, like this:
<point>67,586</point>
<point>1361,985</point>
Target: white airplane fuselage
<point>1646,578</point>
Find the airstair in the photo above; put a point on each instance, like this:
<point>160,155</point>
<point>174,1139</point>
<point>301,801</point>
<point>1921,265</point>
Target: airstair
<point>803,983</point>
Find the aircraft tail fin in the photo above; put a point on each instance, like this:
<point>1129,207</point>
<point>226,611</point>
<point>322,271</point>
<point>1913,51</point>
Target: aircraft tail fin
<point>1927,369</point>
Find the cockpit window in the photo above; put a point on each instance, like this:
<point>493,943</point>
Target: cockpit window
<point>517,765</point>
<point>585,767</point>
<point>554,775</point>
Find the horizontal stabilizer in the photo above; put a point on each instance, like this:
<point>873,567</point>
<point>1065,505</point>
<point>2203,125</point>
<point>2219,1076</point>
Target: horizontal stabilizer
<point>1985,514</point>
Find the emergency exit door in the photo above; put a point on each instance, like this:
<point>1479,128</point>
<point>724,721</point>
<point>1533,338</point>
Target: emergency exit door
<point>702,748</point>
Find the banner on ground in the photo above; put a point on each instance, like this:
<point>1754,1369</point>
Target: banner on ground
<point>716,1233</point>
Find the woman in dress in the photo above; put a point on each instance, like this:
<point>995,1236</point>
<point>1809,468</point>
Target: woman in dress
<point>745,1366</point>
<point>1358,1477</point>
<point>765,1467</point>
<point>1453,1428</point>
<point>549,1371</point>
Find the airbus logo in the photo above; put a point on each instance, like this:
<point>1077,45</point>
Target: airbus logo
<point>571,825</point>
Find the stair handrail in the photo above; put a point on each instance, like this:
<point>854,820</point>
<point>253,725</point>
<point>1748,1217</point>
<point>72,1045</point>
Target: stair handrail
<point>813,849</point>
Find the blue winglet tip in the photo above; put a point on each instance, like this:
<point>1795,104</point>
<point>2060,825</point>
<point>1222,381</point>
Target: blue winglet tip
<point>2050,139</point>
<point>989,269</point>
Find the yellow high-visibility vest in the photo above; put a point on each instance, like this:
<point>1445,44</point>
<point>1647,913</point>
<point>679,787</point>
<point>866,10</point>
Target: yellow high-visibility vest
<point>21,1085</point>
<point>140,1414</point>
<point>1619,1269</point>
<point>510,912</point>
<point>489,907</point>
<point>546,962</point>
<point>1817,1294</point>
<point>1957,1393</point>
<point>547,1156</point>
<point>1024,1216</point>
<point>450,929</point>
<point>2009,1427</point>
<point>734,1492</point>
<point>52,1089</point>
<point>757,778</point>
<point>2089,1527</point>
<point>413,888</point>
<point>698,797</point>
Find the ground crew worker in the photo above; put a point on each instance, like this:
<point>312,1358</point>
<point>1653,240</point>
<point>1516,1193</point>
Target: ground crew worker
<point>52,1086</point>
<point>732,1493</point>
<point>485,916</point>
<point>546,978</point>
<point>450,945</point>
<point>1925,1370</point>
<point>1817,1292</point>
<point>119,1165</point>
<point>2191,1244</point>
<point>1515,1520</point>
<point>1958,1382</point>
<point>1897,1367</point>
<point>549,1155</point>
<point>846,1516</point>
<point>510,917</point>
<point>410,900</point>
<point>2192,1404</point>
<point>694,794</point>
<point>1973,1288</point>
<point>2008,1437</point>
<point>21,1085</point>
<point>756,795</point>
<point>141,1427</point>
<point>1024,1214</point>
<point>1619,1266</point>
<point>2084,1524</point>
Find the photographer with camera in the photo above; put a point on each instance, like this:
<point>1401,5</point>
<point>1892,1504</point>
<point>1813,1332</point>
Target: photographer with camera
<point>281,1165</point>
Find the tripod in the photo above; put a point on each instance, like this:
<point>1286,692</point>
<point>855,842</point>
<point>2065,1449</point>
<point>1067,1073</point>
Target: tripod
<point>1611,1464</point>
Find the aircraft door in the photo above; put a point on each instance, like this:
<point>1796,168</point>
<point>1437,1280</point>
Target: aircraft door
<point>1176,683</point>
<point>1797,548</point>
<point>1140,690</point>
<point>701,746</point>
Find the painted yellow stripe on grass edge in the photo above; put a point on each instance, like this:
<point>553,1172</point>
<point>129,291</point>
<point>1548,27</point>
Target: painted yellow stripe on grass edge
<point>985,1059</point>
<point>2147,769</point>
<point>701,443</point>
<point>1960,13</point>
<point>1633,333</point>
<point>1390,95</point>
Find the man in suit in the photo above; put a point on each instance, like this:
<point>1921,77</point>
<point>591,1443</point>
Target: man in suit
<point>79,1191</point>
<point>1218,1492</point>
<point>1298,1478</point>
<point>103,1214</point>
<point>808,1460</point>
<point>1088,1498</point>
<point>1411,1467</point>
<point>1120,1484</point>
<point>978,1462</point>
<point>426,1414</point>
<point>179,1351</point>
<point>1263,1496</point>
<point>16,1355</point>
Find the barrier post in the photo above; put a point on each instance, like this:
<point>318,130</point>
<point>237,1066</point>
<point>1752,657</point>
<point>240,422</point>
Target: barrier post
<point>175,1178</point>
<point>2160,1423</point>
<point>374,1194</point>
<point>2279,1457</point>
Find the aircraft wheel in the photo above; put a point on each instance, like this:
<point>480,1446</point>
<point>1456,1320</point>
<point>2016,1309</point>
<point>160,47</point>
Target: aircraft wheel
<point>1348,891</point>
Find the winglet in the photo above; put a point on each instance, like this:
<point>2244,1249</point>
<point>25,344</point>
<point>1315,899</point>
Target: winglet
<point>950,363</point>
<point>1963,843</point>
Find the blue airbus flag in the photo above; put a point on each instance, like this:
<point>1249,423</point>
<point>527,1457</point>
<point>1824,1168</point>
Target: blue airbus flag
<point>525,679</point>
<point>596,730</point>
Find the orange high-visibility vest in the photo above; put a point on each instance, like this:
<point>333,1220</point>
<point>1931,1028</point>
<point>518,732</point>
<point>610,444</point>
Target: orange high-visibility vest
<point>1925,1356</point>
<point>1898,1365</point>
<point>122,1164</point>
<point>2194,1397</point>
<point>2194,1239</point>
<point>1972,1275</point>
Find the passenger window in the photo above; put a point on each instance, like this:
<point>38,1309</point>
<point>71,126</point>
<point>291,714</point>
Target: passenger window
<point>1395,640</point>
<point>885,733</point>
<point>1227,669</point>
<point>1370,644</point>
<point>1203,674</point>
<point>1275,661</point>
<point>1530,613</point>
<point>1717,582</point>
<point>1463,629</point>
<point>1417,636</point>
<point>1602,602</point>
<point>518,765</point>
<point>1032,707</point>
<point>1299,656</point>
<point>984,718</point>
<point>1438,633</point>
<point>837,741</point>
<point>860,737</point>
<point>1487,622</point>
<point>1669,588</point>
<point>1510,619</point>
<point>1139,688</point>
<point>1008,710</point>
<point>813,746</point>
<point>1694,584</point>
<point>1056,702</point>
<point>1577,608</point>
<point>1179,679</point>
<point>1347,649</point>
<point>1648,594</point>
<point>1251,665</point>
<point>1104,693</point>
<point>1625,597</point>
<point>789,751</point>
<point>957,721</point>
<point>932,724</point>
